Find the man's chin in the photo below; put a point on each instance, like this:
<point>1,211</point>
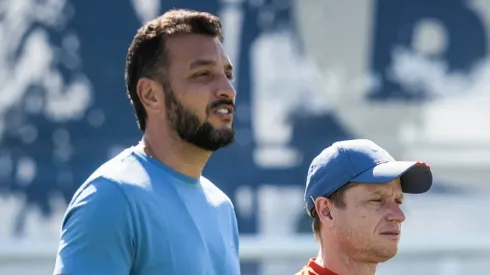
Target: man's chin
<point>221,125</point>
<point>387,253</point>
<point>220,138</point>
<point>225,137</point>
<point>214,146</point>
<point>223,129</point>
<point>226,131</point>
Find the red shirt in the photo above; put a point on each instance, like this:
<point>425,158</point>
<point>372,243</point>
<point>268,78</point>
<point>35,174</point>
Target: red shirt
<point>312,268</point>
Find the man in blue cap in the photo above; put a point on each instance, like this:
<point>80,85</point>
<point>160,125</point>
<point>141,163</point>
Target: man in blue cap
<point>354,190</point>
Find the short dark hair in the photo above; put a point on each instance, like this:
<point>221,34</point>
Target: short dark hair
<point>338,199</point>
<point>147,56</point>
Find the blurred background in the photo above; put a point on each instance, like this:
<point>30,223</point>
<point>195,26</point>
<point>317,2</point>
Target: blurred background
<point>411,75</point>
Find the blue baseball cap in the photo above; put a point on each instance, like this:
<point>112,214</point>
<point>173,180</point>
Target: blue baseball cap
<point>361,161</point>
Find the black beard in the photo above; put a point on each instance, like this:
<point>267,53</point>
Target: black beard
<point>187,125</point>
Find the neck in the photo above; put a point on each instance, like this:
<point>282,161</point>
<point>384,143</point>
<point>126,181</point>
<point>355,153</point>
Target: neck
<point>343,264</point>
<point>169,149</point>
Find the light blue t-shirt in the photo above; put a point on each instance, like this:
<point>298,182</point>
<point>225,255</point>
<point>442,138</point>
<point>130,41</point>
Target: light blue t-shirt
<point>136,216</point>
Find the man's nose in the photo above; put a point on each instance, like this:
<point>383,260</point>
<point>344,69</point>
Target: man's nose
<point>225,89</point>
<point>396,213</point>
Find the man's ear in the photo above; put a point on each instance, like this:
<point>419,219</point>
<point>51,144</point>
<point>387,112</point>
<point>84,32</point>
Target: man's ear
<point>150,94</point>
<point>323,207</point>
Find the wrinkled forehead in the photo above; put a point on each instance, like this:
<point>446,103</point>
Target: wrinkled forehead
<point>389,188</point>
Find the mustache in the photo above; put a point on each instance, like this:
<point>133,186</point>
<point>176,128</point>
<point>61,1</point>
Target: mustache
<point>220,102</point>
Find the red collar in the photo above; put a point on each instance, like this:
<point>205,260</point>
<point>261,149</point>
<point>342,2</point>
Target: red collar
<point>314,268</point>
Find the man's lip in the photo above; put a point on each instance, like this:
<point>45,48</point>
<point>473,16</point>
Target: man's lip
<point>391,232</point>
<point>230,108</point>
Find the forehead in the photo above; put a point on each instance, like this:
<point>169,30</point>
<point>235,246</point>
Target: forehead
<point>184,49</point>
<point>389,188</point>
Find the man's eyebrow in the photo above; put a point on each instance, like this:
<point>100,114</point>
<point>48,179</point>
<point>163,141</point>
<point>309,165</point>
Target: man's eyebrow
<point>205,62</point>
<point>382,193</point>
<point>201,63</point>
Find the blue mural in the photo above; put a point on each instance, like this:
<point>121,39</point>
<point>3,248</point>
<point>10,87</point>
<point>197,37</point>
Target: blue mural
<point>64,110</point>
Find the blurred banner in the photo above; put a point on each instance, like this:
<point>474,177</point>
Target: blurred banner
<point>411,75</point>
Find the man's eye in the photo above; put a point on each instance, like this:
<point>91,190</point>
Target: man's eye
<point>230,76</point>
<point>376,200</point>
<point>203,73</point>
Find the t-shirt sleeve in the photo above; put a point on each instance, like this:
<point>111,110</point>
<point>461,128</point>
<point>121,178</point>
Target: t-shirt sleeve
<point>96,236</point>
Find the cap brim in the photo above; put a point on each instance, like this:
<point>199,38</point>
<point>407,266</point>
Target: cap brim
<point>415,177</point>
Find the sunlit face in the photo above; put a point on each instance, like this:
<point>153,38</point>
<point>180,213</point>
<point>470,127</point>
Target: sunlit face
<point>199,96</point>
<point>369,226</point>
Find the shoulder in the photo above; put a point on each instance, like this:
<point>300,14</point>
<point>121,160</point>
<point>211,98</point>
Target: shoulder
<point>112,185</point>
<point>100,213</point>
<point>125,168</point>
<point>98,197</point>
<point>126,173</point>
<point>98,224</point>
